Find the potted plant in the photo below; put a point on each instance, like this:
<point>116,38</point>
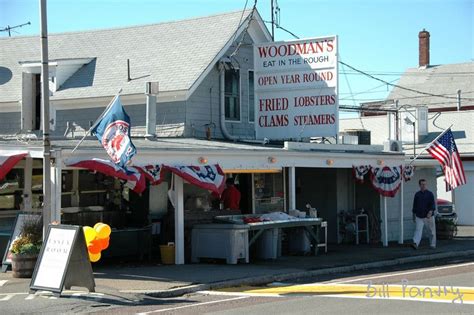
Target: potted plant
<point>446,227</point>
<point>26,247</point>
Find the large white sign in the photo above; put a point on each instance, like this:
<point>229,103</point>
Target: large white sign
<point>296,88</point>
<point>55,257</point>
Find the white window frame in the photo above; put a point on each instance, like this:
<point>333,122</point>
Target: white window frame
<point>248,96</point>
<point>240,98</point>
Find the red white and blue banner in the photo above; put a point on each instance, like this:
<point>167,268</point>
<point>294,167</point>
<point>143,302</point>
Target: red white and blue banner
<point>359,172</point>
<point>210,177</point>
<point>113,132</point>
<point>154,173</point>
<point>386,179</point>
<point>7,162</point>
<point>134,178</point>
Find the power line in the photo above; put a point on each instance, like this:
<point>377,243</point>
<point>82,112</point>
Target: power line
<point>402,87</point>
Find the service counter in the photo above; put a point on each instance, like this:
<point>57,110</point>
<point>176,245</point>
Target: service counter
<point>231,236</point>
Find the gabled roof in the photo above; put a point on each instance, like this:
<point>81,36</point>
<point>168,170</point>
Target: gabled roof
<point>175,53</point>
<point>440,80</point>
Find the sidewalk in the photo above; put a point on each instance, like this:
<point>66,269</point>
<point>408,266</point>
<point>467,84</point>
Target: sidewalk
<point>132,280</point>
<point>167,281</point>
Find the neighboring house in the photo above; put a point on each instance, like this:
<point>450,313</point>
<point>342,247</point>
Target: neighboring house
<point>203,66</point>
<point>447,99</point>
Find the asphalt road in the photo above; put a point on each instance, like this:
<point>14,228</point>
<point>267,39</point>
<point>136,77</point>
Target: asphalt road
<point>400,290</point>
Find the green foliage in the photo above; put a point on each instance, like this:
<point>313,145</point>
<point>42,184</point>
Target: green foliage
<point>440,221</point>
<point>30,239</point>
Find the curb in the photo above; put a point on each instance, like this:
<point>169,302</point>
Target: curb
<point>303,274</point>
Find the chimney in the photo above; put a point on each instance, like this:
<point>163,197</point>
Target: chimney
<point>424,48</point>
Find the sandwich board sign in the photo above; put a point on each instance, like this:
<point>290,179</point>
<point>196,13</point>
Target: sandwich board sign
<point>21,218</point>
<point>63,261</point>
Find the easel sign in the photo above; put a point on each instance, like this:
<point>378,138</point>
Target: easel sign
<point>21,218</point>
<point>63,261</point>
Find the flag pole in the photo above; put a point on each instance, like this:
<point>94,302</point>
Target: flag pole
<point>429,144</point>
<point>96,121</point>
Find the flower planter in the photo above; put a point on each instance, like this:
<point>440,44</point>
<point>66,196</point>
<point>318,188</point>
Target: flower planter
<point>23,265</point>
<point>446,232</point>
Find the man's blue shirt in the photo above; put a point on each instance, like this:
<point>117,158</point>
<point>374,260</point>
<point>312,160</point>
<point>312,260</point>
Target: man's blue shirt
<point>423,203</point>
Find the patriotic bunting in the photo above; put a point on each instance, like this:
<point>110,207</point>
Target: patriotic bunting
<point>7,162</point>
<point>154,173</point>
<point>359,172</point>
<point>386,180</point>
<point>134,179</point>
<point>210,177</point>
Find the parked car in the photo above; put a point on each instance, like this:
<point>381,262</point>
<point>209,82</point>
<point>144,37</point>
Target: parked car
<point>446,220</point>
<point>445,207</point>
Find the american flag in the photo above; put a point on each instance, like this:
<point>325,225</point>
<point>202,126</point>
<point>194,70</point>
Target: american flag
<point>445,151</point>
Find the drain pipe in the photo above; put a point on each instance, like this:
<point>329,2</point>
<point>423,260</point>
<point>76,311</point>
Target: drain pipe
<point>224,130</point>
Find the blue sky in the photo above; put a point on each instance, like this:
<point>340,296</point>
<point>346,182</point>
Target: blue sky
<point>376,36</point>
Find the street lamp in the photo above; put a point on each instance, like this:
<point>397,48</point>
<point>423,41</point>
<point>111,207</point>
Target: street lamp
<point>410,122</point>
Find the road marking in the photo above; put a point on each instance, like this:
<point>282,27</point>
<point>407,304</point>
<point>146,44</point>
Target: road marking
<point>442,294</point>
<point>7,297</point>
<point>192,305</point>
<point>2,282</point>
<point>399,273</point>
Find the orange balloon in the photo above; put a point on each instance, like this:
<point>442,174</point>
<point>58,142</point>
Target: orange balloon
<point>95,247</point>
<point>103,231</point>
<point>94,257</point>
<point>104,243</point>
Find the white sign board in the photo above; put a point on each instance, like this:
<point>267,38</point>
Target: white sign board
<point>296,88</point>
<point>55,258</point>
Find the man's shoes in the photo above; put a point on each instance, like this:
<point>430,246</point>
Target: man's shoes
<point>414,246</point>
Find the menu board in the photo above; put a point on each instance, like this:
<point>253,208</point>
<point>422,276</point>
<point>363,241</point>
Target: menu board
<point>63,261</point>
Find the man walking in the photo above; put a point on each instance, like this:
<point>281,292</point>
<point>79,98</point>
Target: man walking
<point>423,214</point>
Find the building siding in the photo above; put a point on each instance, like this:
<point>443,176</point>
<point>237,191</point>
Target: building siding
<point>10,122</point>
<point>166,113</point>
<point>205,101</point>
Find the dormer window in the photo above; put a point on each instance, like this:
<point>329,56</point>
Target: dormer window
<point>59,71</point>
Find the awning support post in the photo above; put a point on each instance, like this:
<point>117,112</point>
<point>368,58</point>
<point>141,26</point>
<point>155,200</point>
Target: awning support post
<point>27,189</point>
<point>179,220</point>
<point>292,187</point>
<point>401,238</point>
<point>385,232</point>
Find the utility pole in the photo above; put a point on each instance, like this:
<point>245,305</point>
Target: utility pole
<point>273,22</point>
<point>45,107</point>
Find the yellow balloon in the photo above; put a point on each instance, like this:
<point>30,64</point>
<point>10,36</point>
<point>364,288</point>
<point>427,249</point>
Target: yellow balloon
<point>94,257</point>
<point>96,226</point>
<point>89,233</point>
<point>103,231</point>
